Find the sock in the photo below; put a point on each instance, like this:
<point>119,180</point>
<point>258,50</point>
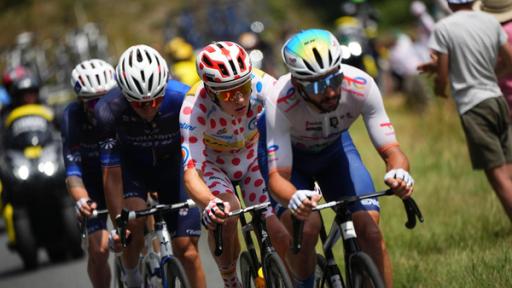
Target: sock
<point>132,277</point>
<point>228,274</point>
<point>306,283</point>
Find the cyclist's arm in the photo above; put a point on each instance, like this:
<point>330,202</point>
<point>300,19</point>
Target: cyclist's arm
<point>192,132</point>
<point>110,159</point>
<point>394,158</point>
<point>279,153</point>
<point>71,150</point>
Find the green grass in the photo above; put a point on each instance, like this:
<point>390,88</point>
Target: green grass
<point>466,239</point>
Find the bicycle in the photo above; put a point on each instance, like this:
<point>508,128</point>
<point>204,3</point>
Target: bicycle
<point>359,267</point>
<point>274,270</point>
<point>158,269</point>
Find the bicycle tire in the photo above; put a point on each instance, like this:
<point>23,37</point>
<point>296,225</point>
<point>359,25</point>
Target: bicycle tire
<point>247,270</point>
<point>275,272</point>
<point>361,267</point>
<point>174,274</point>
<point>326,276</point>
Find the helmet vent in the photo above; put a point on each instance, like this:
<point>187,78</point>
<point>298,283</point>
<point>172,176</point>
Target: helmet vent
<point>232,66</point>
<point>149,57</point>
<point>318,58</point>
<point>330,57</point>
<point>150,82</point>
<point>139,56</point>
<point>223,69</point>
<point>240,63</point>
<point>310,68</point>
<point>92,65</point>
<point>130,62</point>
<point>137,85</point>
<point>98,81</point>
<point>142,76</point>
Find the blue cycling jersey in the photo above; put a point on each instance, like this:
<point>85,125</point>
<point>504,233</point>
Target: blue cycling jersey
<point>123,132</point>
<point>149,153</point>
<point>80,146</point>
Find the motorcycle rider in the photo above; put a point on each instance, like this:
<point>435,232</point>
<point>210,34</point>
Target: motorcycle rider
<point>91,79</point>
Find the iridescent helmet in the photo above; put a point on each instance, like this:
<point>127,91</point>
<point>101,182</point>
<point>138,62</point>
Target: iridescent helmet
<point>311,53</point>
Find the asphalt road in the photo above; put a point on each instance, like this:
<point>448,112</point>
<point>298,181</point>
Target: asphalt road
<point>70,274</point>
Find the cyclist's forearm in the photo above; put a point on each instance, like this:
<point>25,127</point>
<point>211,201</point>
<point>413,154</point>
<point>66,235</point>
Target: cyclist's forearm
<point>281,188</point>
<point>113,189</point>
<point>196,188</point>
<point>395,159</point>
<point>76,188</point>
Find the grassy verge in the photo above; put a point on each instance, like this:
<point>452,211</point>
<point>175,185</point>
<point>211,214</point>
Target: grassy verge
<point>466,238</point>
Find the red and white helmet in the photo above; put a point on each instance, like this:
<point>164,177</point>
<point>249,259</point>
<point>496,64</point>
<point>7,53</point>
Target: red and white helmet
<point>92,78</point>
<point>142,73</point>
<point>223,64</point>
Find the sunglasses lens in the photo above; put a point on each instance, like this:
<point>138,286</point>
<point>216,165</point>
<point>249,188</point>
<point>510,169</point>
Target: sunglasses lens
<point>318,87</point>
<point>151,103</point>
<point>229,95</point>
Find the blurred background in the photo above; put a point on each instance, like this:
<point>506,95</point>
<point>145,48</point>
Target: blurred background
<point>466,238</point>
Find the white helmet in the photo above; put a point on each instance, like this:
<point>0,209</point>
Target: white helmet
<point>92,78</point>
<point>142,73</point>
<point>311,53</point>
<point>223,64</point>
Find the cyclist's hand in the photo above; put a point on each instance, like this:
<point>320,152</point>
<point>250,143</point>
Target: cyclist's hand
<point>302,203</point>
<point>84,208</point>
<point>400,181</point>
<point>114,241</point>
<point>213,215</point>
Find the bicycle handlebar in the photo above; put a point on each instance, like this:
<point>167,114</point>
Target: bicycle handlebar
<point>219,245</point>
<point>127,215</point>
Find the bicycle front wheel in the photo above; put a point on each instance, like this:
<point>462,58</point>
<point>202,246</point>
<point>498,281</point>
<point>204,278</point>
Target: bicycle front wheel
<point>362,272</point>
<point>174,274</point>
<point>327,276</point>
<point>275,272</point>
<point>247,270</point>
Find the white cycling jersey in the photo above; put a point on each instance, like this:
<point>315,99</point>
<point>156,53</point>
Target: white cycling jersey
<point>291,120</point>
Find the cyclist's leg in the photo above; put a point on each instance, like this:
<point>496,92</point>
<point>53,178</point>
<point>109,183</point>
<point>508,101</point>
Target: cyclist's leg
<point>135,190</point>
<point>255,192</point>
<point>221,187</point>
<point>98,251</point>
<point>346,170</point>
<point>184,226</point>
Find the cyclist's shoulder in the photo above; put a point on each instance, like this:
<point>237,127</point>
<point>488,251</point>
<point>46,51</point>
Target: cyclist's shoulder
<point>356,81</point>
<point>110,106</point>
<point>176,87</point>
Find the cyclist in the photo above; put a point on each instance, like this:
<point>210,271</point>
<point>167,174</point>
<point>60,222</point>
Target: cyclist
<point>219,141</point>
<point>140,153</point>
<point>307,119</point>
<point>91,79</point>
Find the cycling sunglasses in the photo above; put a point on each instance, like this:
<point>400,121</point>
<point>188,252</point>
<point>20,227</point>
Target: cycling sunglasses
<point>147,104</point>
<point>318,87</point>
<point>232,94</point>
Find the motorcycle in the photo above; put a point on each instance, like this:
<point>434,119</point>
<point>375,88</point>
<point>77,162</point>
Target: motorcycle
<point>33,177</point>
<point>355,46</point>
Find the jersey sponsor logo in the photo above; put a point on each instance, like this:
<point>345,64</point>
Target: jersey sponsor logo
<point>187,126</point>
<point>272,152</point>
<point>370,202</point>
<point>313,126</point>
<point>289,100</point>
<point>75,157</point>
<point>185,153</point>
<point>333,122</point>
<point>108,144</point>
<point>252,123</point>
<point>191,232</point>
<point>355,85</point>
<point>215,143</point>
<point>390,131</point>
<point>222,131</point>
<point>183,211</point>
<point>28,124</point>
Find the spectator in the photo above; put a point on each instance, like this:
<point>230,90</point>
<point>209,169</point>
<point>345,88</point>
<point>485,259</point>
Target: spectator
<point>502,10</point>
<point>465,47</point>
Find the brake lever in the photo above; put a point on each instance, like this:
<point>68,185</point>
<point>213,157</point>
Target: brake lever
<point>413,213</point>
